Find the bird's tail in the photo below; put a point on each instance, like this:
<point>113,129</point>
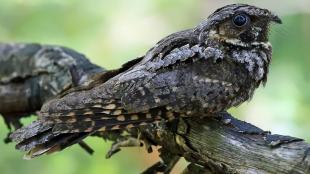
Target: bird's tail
<point>97,120</point>
<point>55,132</point>
<point>38,138</point>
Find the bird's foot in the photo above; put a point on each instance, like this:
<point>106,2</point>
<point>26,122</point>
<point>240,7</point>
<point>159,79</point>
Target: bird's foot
<point>124,141</point>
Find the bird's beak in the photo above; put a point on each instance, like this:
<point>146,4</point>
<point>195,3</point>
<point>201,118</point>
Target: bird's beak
<point>275,18</point>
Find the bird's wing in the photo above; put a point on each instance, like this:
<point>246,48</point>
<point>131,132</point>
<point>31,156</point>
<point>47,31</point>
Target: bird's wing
<point>180,89</point>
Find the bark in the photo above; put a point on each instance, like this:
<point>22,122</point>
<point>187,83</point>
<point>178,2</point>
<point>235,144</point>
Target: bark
<point>30,74</point>
<point>227,145</point>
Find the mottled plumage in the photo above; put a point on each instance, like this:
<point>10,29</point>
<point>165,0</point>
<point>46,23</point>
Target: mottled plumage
<point>196,72</point>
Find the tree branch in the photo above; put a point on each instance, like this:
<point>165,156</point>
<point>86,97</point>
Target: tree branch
<point>30,74</point>
<point>227,145</point>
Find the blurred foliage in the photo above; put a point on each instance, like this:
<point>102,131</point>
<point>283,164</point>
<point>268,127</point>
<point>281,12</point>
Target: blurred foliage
<point>112,32</point>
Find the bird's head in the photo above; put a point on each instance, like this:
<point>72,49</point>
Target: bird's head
<point>238,24</point>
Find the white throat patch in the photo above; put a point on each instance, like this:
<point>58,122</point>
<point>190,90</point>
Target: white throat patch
<point>237,42</point>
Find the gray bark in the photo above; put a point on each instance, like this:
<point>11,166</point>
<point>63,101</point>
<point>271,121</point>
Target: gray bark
<point>30,74</point>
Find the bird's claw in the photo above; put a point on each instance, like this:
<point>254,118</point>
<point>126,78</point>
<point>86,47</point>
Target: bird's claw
<point>125,141</point>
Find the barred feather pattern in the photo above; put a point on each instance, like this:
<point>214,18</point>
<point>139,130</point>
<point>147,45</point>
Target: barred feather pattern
<point>104,117</point>
<point>38,138</point>
<point>66,129</point>
<point>56,131</point>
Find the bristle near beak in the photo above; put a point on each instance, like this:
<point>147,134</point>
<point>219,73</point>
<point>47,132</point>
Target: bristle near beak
<point>275,18</point>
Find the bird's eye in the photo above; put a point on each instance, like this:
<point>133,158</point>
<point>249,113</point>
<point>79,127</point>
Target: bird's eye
<point>241,20</point>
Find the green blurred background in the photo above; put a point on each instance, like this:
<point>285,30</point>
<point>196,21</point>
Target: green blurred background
<point>110,32</point>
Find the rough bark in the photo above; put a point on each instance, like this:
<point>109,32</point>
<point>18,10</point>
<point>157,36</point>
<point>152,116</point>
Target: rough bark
<point>30,74</point>
<point>227,145</point>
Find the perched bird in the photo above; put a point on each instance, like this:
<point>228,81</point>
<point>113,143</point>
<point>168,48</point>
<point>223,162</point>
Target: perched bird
<point>191,73</point>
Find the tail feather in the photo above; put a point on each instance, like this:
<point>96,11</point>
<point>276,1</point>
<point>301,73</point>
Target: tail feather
<point>34,141</point>
<point>100,125</point>
<point>88,116</point>
<point>57,131</point>
<point>38,138</point>
<point>57,143</point>
<point>32,130</point>
<point>104,122</point>
<point>110,107</point>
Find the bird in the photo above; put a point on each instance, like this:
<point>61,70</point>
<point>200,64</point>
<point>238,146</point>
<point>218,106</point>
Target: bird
<point>192,73</point>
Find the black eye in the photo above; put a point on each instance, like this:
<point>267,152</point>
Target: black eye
<point>241,20</point>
